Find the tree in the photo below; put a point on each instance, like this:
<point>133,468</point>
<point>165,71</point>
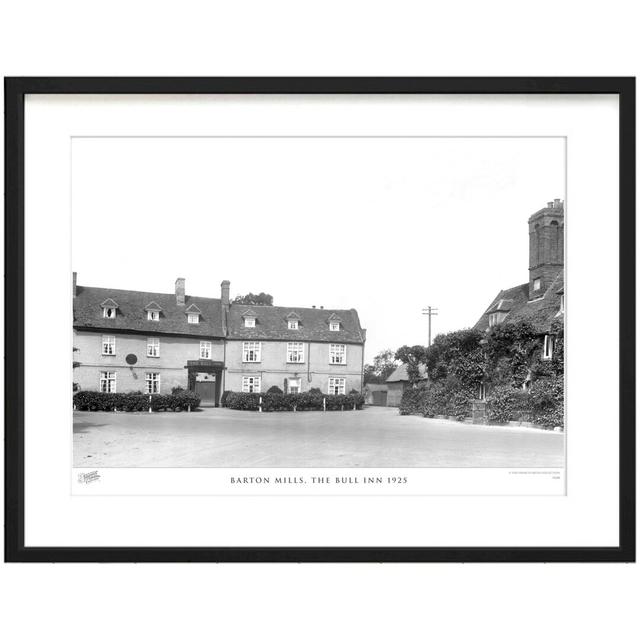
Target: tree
<point>413,357</point>
<point>384,364</point>
<point>263,299</point>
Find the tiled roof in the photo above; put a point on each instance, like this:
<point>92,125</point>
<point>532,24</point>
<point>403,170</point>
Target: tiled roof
<point>401,375</point>
<point>132,316</point>
<point>271,324</point>
<point>540,312</point>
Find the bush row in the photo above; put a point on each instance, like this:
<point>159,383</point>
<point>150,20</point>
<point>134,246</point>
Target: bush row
<point>542,403</point>
<point>98,401</point>
<point>307,401</point>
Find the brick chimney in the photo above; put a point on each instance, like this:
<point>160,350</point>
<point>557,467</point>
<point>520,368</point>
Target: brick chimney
<point>75,280</point>
<point>546,247</point>
<point>180,292</point>
<point>225,285</point>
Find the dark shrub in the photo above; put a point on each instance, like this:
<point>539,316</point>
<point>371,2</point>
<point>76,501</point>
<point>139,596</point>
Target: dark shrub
<point>176,390</point>
<point>136,401</point>
<point>315,391</point>
<point>546,402</point>
<point>275,389</point>
<point>506,403</point>
<point>287,402</point>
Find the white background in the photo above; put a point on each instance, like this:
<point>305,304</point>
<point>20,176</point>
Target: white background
<point>587,516</point>
<point>331,38</point>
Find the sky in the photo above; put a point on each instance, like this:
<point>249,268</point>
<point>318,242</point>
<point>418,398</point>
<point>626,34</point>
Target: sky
<point>387,226</point>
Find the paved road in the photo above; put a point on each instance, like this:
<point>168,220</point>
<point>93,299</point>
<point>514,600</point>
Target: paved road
<point>374,437</point>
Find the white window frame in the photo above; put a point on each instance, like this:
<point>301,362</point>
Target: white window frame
<point>151,380</point>
<point>293,325</point>
<point>193,318</point>
<point>336,386</point>
<point>337,353</point>
<point>254,348</point>
<point>108,381</point>
<point>561,303</point>
<point>252,387</point>
<point>108,345</point>
<point>294,383</point>
<point>153,315</point>
<point>334,326</point>
<point>205,348</point>
<point>153,347</point>
<point>295,352</point>
<point>249,322</point>
<point>537,284</point>
<point>547,347</point>
<point>106,311</point>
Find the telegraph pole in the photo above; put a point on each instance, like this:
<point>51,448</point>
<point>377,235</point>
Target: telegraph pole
<point>430,311</point>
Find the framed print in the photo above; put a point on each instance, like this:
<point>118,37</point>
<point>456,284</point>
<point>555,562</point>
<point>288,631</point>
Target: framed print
<point>320,319</point>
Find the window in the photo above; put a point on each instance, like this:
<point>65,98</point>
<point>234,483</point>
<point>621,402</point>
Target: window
<point>251,384</point>
<point>293,385</point>
<point>293,324</point>
<point>251,352</point>
<point>108,381</point>
<point>153,347</point>
<point>493,319</point>
<point>338,354</point>
<point>547,349</point>
<point>108,312</point>
<point>482,391</point>
<point>336,386</point>
<point>334,326</point>
<point>193,318</point>
<point>295,351</point>
<point>205,350</point>
<point>249,322</point>
<point>562,303</point>
<point>536,284</point>
<point>152,314</point>
<point>108,345</point>
<point>152,382</point>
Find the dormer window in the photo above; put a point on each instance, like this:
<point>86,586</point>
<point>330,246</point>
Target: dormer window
<point>536,284</point>
<point>153,310</point>
<point>109,308</point>
<point>334,326</point>
<point>193,314</point>
<point>249,322</point>
<point>292,324</point>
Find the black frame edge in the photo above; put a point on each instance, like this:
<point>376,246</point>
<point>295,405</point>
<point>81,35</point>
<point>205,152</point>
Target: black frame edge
<point>15,90</point>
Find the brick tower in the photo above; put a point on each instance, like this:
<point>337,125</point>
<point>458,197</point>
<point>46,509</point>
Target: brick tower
<point>546,247</point>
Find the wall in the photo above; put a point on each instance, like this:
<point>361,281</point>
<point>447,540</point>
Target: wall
<point>314,372</point>
<point>174,353</point>
<point>394,393</point>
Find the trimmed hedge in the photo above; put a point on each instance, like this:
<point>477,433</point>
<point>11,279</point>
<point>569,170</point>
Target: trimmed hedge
<point>308,401</point>
<point>137,401</point>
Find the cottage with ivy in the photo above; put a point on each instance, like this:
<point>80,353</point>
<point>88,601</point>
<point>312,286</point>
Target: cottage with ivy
<point>510,365</point>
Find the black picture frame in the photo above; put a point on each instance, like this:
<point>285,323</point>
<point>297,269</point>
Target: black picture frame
<point>15,91</point>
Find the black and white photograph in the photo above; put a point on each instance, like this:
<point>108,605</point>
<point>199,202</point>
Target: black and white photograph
<point>318,302</point>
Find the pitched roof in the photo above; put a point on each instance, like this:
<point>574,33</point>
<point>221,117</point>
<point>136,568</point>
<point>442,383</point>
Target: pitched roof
<point>132,316</point>
<point>375,386</point>
<point>192,308</point>
<point>401,375</point>
<point>109,303</point>
<point>153,306</point>
<point>272,324</point>
<point>540,312</point>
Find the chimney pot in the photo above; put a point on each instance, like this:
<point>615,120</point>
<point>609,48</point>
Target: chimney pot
<point>225,285</point>
<point>549,205</point>
<point>556,203</point>
<point>180,291</point>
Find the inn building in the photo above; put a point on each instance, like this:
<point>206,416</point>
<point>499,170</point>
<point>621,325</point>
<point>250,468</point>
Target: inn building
<point>152,342</point>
